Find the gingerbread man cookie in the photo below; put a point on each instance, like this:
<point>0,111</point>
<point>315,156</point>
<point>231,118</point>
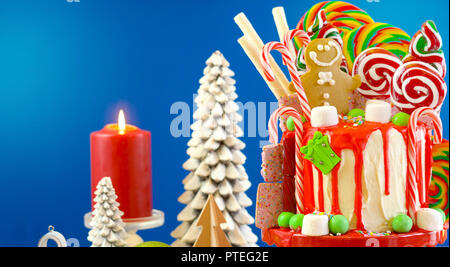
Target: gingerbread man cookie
<point>324,82</point>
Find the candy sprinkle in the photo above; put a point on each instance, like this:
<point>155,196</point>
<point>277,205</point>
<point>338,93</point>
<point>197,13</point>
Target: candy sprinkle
<point>388,233</point>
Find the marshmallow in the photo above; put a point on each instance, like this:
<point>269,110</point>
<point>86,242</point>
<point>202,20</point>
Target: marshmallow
<point>324,116</point>
<point>315,225</point>
<point>429,220</point>
<point>375,101</point>
<point>378,111</point>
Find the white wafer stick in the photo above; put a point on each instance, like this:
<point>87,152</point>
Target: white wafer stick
<point>253,53</point>
<point>248,30</point>
<point>279,16</point>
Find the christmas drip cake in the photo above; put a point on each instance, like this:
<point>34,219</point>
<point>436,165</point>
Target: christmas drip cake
<point>362,160</point>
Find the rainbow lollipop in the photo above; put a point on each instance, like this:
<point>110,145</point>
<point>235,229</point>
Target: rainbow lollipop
<point>321,28</point>
<point>438,191</point>
<point>377,34</point>
<point>343,16</point>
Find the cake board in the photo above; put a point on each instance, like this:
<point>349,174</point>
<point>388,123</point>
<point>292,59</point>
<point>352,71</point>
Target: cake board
<point>283,237</point>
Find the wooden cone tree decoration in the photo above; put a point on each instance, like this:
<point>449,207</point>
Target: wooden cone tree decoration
<point>216,163</point>
<point>210,220</point>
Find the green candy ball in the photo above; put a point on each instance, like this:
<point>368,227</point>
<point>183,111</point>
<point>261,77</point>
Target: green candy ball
<point>283,219</point>
<point>356,112</point>
<point>296,221</point>
<point>338,224</point>
<point>153,244</point>
<point>401,119</point>
<point>444,217</point>
<point>303,118</point>
<point>402,223</point>
<point>290,124</point>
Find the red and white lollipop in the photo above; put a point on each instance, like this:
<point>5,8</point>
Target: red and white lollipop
<point>416,84</point>
<point>426,46</point>
<point>376,66</point>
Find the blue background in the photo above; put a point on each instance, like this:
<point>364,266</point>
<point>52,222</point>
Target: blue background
<point>67,68</point>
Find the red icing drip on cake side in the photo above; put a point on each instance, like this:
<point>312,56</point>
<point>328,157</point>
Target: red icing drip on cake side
<point>347,136</point>
<point>354,138</point>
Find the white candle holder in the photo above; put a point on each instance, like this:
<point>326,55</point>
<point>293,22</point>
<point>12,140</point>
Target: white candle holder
<point>134,225</point>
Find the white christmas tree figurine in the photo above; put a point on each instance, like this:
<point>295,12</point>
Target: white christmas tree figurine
<point>107,226</point>
<point>216,161</point>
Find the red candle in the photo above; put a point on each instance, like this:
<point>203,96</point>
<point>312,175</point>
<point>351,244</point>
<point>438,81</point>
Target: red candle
<point>123,153</point>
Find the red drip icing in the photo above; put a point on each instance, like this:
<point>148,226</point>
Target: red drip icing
<point>288,194</point>
<point>288,142</point>
<point>358,187</point>
<point>419,169</point>
<point>321,204</point>
<point>386,161</point>
<point>335,208</point>
<point>347,136</point>
<point>428,166</point>
<point>310,204</point>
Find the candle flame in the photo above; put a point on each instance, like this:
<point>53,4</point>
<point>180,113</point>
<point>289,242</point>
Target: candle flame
<point>121,122</point>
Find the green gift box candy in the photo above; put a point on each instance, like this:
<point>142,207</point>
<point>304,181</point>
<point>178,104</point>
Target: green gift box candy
<point>319,152</point>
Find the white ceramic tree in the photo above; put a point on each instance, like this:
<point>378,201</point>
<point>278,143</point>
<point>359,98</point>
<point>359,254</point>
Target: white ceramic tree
<point>216,161</point>
<point>107,226</point>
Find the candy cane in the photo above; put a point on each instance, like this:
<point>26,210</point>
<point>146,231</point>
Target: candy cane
<point>301,38</point>
<point>413,156</point>
<point>273,137</point>
<point>283,49</point>
<point>300,35</point>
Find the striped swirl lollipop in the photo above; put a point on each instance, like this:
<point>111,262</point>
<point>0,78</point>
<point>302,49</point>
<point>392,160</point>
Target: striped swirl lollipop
<point>376,66</point>
<point>426,46</point>
<point>416,84</point>
<point>377,34</point>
